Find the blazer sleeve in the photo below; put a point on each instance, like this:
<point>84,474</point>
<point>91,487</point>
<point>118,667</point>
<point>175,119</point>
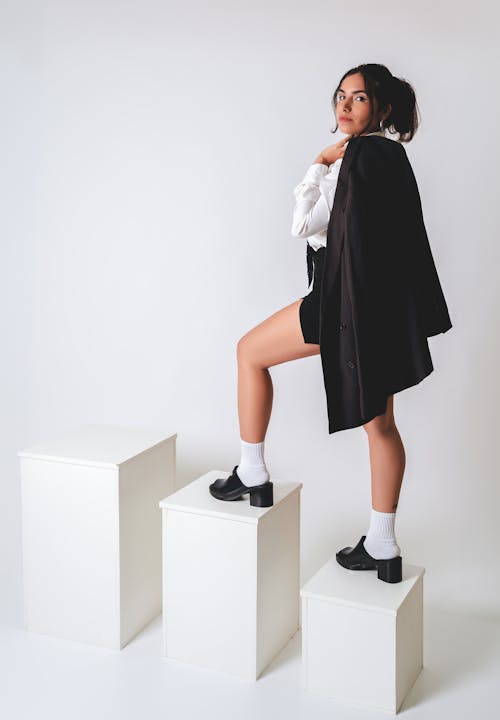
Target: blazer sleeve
<point>371,216</point>
<point>391,249</point>
<point>416,255</point>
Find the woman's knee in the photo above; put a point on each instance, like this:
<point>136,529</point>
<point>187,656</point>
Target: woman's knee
<point>245,348</point>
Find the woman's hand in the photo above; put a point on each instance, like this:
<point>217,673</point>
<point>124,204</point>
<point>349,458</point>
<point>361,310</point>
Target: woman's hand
<point>333,152</point>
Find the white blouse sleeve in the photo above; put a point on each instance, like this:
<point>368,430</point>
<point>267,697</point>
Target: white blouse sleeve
<point>314,200</point>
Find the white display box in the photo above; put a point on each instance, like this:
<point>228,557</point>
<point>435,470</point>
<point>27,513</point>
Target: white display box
<point>91,533</point>
<point>362,639</point>
<point>231,577</point>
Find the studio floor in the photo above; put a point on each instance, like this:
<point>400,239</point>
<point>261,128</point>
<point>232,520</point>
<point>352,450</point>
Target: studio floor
<point>45,677</point>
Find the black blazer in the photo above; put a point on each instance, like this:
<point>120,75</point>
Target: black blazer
<point>380,294</point>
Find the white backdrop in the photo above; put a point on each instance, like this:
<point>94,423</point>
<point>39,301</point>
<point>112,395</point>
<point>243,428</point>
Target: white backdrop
<point>149,154</point>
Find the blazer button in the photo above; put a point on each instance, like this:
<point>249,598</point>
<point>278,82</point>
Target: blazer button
<point>351,364</point>
<point>343,326</point>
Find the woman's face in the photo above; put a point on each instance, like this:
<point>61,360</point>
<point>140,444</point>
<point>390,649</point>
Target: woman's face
<point>354,107</point>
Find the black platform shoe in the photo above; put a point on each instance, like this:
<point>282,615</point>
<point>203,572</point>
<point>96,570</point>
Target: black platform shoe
<point>231,488</point>
<point>358,558</point>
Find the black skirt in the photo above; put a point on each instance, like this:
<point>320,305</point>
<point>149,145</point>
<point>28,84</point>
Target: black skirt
<point>309,307</point>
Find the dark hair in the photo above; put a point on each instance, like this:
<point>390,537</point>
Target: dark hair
<point>386,88</point>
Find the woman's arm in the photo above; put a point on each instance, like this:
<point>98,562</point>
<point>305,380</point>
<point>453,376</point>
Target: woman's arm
<point>313,205</point>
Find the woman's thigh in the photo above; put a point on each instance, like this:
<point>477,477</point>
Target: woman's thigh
<point>276,339</point>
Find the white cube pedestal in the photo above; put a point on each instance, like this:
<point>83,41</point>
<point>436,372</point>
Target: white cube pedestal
<point>362,638</point>
<point>91,532</point>
<point>231,577</point>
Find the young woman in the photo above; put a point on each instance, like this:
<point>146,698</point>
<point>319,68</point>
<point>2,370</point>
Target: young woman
<point>373,300</point>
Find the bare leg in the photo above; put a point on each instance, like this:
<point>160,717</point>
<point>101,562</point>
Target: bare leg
<point>275,340</point>
<point>387,460</point>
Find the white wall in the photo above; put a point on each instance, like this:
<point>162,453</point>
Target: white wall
<point>149,153</point>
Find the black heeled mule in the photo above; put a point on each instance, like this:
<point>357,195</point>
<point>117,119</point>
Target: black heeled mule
<point>231,488</point>
<point>357,558</point>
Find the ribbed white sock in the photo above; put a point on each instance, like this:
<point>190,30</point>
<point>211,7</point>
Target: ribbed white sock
<point>252,468</point>
<point>380,541</point>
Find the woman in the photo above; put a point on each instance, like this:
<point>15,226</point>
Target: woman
<point>374,299</point>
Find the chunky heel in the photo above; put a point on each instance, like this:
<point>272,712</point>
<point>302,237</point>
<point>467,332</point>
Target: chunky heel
<point>231,488</point>
<point>262,495</point>
<point>390,570</point>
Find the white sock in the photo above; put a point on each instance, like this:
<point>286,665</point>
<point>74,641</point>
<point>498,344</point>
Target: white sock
<point>252,468</point>
<point>380,541</point>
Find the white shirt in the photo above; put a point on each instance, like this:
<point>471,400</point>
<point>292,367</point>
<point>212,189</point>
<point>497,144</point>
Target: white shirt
<point>314,201</point>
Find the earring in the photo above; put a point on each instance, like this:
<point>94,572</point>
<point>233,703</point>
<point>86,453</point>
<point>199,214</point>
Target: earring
<point>380,127</point>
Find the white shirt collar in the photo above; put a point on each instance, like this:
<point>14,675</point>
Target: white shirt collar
<point>377,132</point>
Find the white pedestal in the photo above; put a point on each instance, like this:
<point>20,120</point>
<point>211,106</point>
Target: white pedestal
<point>91,532</point>
<point>231,577</point>
<point>362,639</point>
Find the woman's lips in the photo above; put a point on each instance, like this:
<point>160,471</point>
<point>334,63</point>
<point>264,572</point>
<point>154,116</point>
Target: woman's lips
<point>345,119</point>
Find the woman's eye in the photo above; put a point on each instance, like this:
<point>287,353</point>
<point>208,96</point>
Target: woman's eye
<point>339,97</point>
